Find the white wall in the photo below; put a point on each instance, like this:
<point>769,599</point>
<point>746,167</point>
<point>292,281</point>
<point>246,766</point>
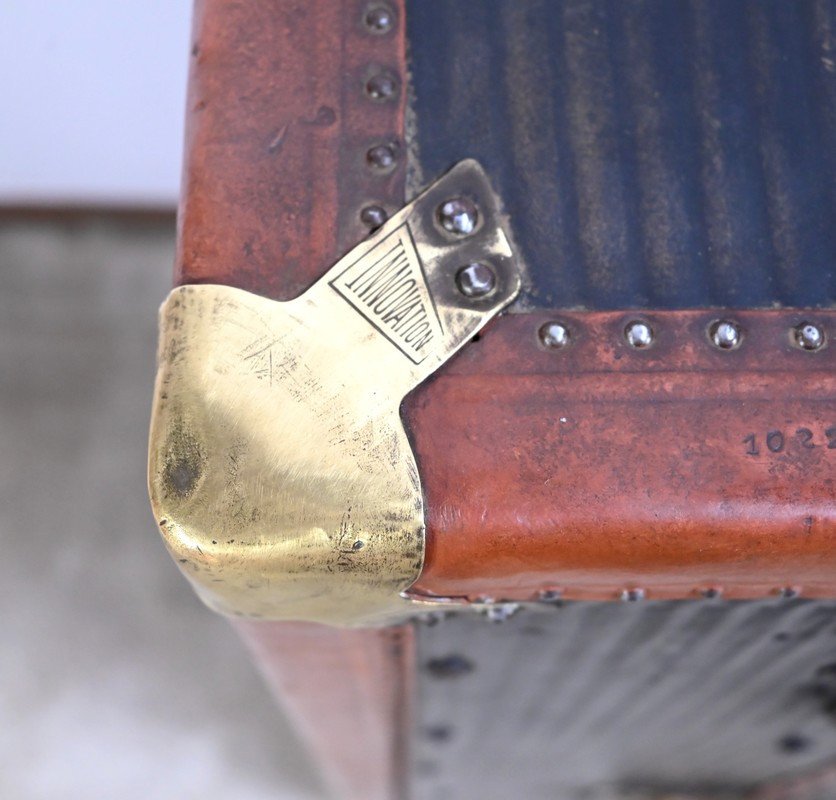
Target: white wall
<point>92,101</point>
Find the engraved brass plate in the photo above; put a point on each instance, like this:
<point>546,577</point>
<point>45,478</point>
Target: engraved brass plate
<point>280,473</point>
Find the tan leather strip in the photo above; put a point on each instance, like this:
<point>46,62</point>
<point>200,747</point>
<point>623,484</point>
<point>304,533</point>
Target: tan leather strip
<point>599,470</point>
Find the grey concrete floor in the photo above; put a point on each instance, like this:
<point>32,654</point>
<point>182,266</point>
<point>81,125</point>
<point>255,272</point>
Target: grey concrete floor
<point>115,682</point>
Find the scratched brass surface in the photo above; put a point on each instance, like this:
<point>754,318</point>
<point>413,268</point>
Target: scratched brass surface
<point>279,470</point>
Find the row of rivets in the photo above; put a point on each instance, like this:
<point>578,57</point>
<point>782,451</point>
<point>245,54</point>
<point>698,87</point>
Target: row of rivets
<point>722,333</point>
<point>383,86</point>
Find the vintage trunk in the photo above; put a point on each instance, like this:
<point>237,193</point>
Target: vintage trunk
<point>653,420</point>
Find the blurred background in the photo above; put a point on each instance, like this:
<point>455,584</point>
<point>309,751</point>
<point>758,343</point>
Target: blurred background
<point>115,682</point>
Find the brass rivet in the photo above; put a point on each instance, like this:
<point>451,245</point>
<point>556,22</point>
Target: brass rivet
<point>476,280</point>
<point>381,156</point>
<point>725,334</point>
<point>379,19</point>
<point>808,336</point>
<point>373,217</point>
<point>639,334</point>
<point>632,595</point>
<point>458,215</point>
<point>554,335</point>
<point>383,86</point>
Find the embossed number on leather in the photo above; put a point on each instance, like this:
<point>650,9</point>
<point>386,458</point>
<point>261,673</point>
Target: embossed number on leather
<point>779,440</point>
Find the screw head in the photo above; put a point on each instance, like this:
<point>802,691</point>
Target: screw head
<point>373,217</point>
<point>381,156</point>
<point>379,19</point>
<point>554,335</point>
<point>476,280</point>
<point>725,334</point>
<point>383,86</point>
<point>458,215</point>
<point>639,334</point>
<point>808,336</point>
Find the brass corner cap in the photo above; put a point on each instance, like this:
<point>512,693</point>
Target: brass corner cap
<point>280,473</point>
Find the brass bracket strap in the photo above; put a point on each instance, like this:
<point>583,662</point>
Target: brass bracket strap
<point>279,470</point>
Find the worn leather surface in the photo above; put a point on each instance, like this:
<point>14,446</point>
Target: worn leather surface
<point>600,468</point>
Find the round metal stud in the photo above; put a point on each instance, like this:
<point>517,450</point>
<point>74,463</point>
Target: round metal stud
<point>639,334</point>
<point>808,336</point>
<point>373,217</point>
<point>381,156</point>
<point>725,334</point>
<point>632,595</point>
<point>501,611</point>
<point>554,335</point>
<point>458,215</point>
<point>379,19</point>
<point>383,86</point>
<point>476,280</point>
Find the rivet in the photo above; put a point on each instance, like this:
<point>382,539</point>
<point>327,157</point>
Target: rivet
<point>639,334</point>
<point>476,280</point>
<point>373,217</point>
<point>383,86</point>
<point>501,611</point>
<point>451,666</point>
<point>554,335</point>
<point>725,334</point>
<point>808,336</point>
<point>549,596</point>
<point>379,19</point>
<point>381,156</point>
<point>632,595</point>
<point>458,215</point>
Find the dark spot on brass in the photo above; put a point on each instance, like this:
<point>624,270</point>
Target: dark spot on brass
<point>373,217</point>
<point>383,86</point>
<point>181,477</point>
<point>712,593</point>
<point>452,666</point>
<point>358,545</point>
<point>789,592</point>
